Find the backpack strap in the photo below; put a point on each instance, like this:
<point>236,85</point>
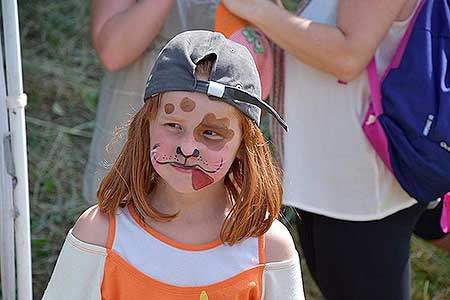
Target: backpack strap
<point>375,87</point>
<point>374,80</point>
<point>445,217</point>
<point>395,63</point>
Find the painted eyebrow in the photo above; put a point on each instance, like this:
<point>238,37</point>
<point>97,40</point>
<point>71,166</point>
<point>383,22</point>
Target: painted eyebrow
<point>171,118</point>
<point>214,126</point>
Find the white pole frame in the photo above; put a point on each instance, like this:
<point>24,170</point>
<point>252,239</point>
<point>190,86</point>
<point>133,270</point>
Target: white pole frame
<point>16,102</point>
<point>7,263</point>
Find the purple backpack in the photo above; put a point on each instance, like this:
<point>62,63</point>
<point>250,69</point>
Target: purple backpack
<point>408,121</point>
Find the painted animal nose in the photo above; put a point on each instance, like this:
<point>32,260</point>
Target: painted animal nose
<point>195,153</point>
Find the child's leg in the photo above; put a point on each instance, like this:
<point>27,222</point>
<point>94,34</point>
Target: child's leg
<point>360,260</point>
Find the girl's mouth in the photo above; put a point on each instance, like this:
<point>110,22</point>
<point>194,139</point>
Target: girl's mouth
<point>182,168</point>
<point>185,169</point>
<point>199,178</point>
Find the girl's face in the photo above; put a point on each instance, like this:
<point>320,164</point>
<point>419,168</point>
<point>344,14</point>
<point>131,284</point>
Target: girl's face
<point>194,140</point>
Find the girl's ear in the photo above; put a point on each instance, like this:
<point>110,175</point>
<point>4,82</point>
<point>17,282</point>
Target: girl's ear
<point>240,152</point>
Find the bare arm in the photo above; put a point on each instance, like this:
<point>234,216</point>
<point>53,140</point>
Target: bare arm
<point>343,50</point>
<point>279,244</point>
<point>123,29</point>
<point>92,227</point>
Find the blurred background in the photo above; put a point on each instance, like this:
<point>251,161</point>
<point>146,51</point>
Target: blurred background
<point>61,78</point>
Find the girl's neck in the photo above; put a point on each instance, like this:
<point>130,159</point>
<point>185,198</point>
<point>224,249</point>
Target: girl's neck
<point>200,215</point>
<point>191,207</point>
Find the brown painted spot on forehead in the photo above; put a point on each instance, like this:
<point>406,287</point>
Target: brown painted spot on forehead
<point>187,105</point>
<point>219,126</point>
<point>169,108</point>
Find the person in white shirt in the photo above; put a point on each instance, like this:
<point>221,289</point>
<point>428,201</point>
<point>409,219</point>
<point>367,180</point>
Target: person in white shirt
<point>355,220</point>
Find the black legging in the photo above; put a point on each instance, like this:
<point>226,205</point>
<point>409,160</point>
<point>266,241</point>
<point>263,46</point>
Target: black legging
<point>359,260</point>
<point>428,227</point>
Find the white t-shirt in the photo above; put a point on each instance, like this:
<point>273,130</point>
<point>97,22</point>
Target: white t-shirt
<point>330,167</point>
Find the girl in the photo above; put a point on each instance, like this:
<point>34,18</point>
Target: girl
<point>189,209</point>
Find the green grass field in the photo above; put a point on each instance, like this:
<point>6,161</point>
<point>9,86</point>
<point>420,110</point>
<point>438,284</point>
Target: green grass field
<point>61,78</point>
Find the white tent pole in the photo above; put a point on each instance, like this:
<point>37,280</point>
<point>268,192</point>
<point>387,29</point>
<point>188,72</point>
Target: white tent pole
<point>7,263</point>
<point>16,101</point>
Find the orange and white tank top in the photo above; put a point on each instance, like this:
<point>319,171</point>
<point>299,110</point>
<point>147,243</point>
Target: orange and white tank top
<point>143,264</point>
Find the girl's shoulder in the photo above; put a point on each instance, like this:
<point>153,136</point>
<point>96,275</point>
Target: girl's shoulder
<point>279,245</point>
<point>92,227</point>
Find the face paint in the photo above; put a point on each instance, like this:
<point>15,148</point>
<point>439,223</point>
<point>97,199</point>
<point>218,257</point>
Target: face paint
<point>203,173</point>
<point>194,142</point>
<point>219,126</point>
<point>187,105</point>
<point>188,163</point>
<point>200,179</point>
<point>169,108</point>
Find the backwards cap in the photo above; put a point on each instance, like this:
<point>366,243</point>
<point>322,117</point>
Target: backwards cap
<point>234,78</point>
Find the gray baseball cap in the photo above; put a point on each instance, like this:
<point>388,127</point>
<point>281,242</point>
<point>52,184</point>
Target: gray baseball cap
<point>234,78</point>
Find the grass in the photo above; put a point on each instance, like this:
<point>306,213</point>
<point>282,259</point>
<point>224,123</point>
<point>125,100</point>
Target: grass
<point>61,78</point>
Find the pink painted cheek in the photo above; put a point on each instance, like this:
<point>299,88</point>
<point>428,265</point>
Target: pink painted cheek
<point>220,161</point>
<point>162,146</point>
<point>163,153</point>
<point>162,150</point>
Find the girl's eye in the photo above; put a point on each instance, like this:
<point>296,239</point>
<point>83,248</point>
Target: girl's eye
<point>173,126</point>
<point>212,135</point>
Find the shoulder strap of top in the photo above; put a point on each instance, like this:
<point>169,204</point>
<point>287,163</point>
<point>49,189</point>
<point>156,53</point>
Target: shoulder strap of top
<point>262,249</point>
<point>111,231</point>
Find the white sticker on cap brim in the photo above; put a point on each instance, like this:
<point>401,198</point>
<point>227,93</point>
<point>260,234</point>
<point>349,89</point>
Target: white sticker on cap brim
<point>216,89</point>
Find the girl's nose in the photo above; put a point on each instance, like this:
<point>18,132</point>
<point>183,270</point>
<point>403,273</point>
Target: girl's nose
<point>192,153</point>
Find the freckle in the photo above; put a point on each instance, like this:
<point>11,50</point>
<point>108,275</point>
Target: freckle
<point>169,108</point>
<point>187,105</point>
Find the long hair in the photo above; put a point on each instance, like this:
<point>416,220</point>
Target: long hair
<point>254,186</point>
<point>253,183</point>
